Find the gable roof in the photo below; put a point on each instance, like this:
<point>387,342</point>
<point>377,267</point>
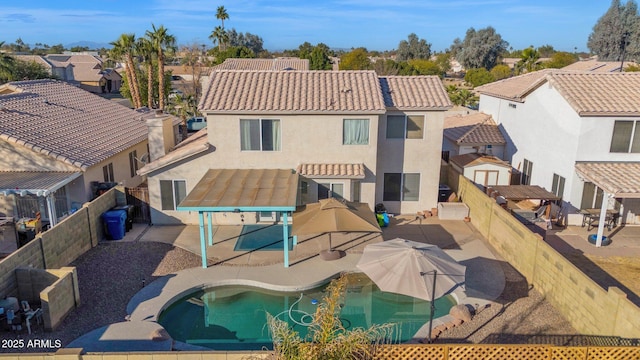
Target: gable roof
<point>267,92</point>
<point>478,128</point>
<point>588,93</point>
<point>357,91</point>
<point>414,93</point>
<point>517,87</point>
<point>67,123</point>
<point>277,64</point>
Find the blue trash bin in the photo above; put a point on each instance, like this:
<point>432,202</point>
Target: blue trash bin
<point>115,222</point>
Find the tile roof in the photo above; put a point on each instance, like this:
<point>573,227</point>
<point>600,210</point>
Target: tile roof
<point>477,159</point>
<point>266,92</point>
<point>67,123</point>
<point>597,66</point>
<point>414,93</point>
<point>347,171</point>
<point>277,64</point>
<point>589,93</point>
<point>193,145</point>
<point>600,94</point>
<point>244,189</point>
<point>517,87</point>
<point>478,128</point>
<point>621,179</point>
<point>35,58</point>
<point>33,181</point>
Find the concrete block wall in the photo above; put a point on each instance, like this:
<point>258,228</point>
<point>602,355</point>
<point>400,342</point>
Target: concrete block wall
<point>31,282</point>
<point>29,255</point>
<point>61,244</point>
<point>591,309</point>
<point>59,298</point>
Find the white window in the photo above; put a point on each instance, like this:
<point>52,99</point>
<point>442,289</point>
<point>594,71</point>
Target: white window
<point>133,162</point>
<point>557,187</point>
<point>327,190</point>
<point>107,173</point>
<point>626,137</point>
<point>527,168</point>
<point>355,132</point>
<point>260,134</point>
<point>172,192</point>
<point>405,126</point>
<point>401,187</point>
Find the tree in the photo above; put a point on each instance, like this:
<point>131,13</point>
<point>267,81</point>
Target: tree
<point>528,61</point>
<point>357,59</point>
<point>443,60</point>
<point>500,71</point>
<point>146,50</point>
<point>124,48</point>
<point>477,77</point>
<point>220,36</point>
<point>7,63</point>
<point>236,52</point>
<point>184,106</point>
<point>560,60</point>
<point>327,337</point>
<point>248,40</point>
<point>479,49</point>
<point>426,67</point>
<point>318,55</point>
<point>413,48</point>
<point>617,32</point>
<point>222,15</point>
<point>546,51</point>
<point>162,42</point>
<point>192,61</point>
<point>461,97</point>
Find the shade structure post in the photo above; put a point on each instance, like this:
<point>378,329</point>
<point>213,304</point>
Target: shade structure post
<point>285,238</point>
<point>209,230</point>
<point>601,220</point>
<point>203,245</point>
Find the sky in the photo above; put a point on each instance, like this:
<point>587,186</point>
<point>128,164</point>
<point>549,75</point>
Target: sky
<point>285,24</point>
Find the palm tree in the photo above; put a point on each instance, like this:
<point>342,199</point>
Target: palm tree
<point>219,35</point>
<point>185,106</point>
<point>222,15</point>
<point>162,41</point>
<point>528,60</point>
<point>7,63</point>
<point>123,48</point>
<point>146,49</point>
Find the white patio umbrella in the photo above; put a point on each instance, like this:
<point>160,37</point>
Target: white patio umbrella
<point>411,268</point>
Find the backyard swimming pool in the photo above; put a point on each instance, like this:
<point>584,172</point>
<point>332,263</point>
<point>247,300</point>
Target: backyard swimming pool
<point>234,317</point>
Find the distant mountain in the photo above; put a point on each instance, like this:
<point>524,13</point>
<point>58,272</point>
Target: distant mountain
<point>90,44</point>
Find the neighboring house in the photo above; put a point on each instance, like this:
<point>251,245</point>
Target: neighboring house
<point>598,66</point>
<point>277,64</point>
<point>347,134</point>
<point>577,134</point>
<point>58,141</point>
<point>86,71</point>
<point>485,170</point>
<point>473,133</point>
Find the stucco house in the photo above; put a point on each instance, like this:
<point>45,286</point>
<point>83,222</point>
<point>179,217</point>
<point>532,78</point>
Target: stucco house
<point>577,134</point>
<point>345,134</point>
<point>57,141</point>
<point>472,133</point>
<point>83,70</point>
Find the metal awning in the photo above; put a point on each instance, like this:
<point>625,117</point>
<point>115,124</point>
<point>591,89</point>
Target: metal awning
<point>620,179</point>
<point>241,190</point>
<point>525,192</point>
<point>38,183</point>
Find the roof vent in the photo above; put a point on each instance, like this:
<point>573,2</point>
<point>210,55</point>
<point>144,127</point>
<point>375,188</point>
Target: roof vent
<point>46,101</point>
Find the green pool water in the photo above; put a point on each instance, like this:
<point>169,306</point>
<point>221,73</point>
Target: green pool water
<point>234,317</point>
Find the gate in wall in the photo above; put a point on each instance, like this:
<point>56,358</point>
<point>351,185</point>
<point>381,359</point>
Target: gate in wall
<point>139,198</point>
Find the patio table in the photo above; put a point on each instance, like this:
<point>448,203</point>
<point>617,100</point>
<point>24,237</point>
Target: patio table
<point>590,218</point>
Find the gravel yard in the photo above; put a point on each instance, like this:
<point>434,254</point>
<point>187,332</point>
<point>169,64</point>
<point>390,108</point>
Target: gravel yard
<point>111,273</point>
